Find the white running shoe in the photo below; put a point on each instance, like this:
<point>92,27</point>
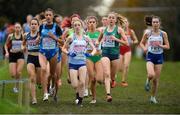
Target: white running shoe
<point>15,90</point>
<point>153,100</point>
<point>76,101</point>
<point>86,93</point>
<point>34,101</point>
<point>93,101</point>
<point>45,98</point>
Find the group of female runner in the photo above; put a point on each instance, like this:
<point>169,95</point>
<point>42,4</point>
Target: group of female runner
<point>92,54</point>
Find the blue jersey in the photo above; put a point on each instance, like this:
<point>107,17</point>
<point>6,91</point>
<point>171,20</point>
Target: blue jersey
<point>48,46</point>
<point>32,44</point>
<point>79,47</point>
<point>47,42</point>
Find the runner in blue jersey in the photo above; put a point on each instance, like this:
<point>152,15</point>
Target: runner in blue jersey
<point>77,43</point>
<point>68,30</point>
<point>31,41</point>
<point>157,41</point>
<point>49,36</point>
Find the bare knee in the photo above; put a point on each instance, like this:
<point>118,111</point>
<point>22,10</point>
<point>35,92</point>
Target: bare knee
<point>74,85</point>
<point>82,84</point>
<point>99,78</point>
<point>120,69</point>
<point>19,73</point>
<point>44,70</point>
<point>151,75</point>
<point>126,66</point>
<point>106,74</point>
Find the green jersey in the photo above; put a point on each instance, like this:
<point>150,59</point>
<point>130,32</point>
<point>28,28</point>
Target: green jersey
<point>93,36</point>
<point>110,46</point>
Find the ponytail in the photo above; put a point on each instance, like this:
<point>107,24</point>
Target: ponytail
<point>121,20</point>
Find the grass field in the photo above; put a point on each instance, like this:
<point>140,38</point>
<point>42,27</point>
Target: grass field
<point>132,99</point>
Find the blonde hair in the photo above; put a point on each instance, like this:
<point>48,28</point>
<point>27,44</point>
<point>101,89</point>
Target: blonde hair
<point>121,20</point>
<point>78,21</point>
<point>82,25</point>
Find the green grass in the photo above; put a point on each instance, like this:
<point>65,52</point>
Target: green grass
<point>9,107</point>
<point>132,99</point>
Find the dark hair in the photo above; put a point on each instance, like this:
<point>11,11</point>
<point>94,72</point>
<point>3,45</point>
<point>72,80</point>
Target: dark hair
<point>49,9</point>
<point>148,20</point>
<point>92,17</point>
<point>18,23</point>
<point>35,19</point>
<point>156,17</point>
<point>75,15</point>
<point>41,15</point>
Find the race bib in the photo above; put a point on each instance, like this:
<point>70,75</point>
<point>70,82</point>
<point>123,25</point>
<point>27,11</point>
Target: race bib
<point>48,43</point>
<point>80,56</point>
<point>79,50</point>
<point>154,46</point>
<point>94,42</point>
<point>16,45</point>
<point>32,45</point>
<point>155,49</point>
<point>108,42</point>
<point>129,40</point>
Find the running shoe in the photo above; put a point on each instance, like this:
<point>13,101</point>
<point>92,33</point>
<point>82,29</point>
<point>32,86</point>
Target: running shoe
<point>15,90</point>
<point>113,84</point>
<point>93,101</point>
<point>153,100</point>
<point>86,93</point>
<point>76,101</point>
<point>34,101</point>
<point>45,98</point>
<point>124,84</point>
<point>109,98</point>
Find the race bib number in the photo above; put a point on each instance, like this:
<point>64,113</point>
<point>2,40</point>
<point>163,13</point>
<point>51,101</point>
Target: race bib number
<point>79,50</point>
<point>80,56</point>
<point>155,49</point>
<point>32,44</point>
<point>154,46</point>
<point>16,45</point>
<point>48,43</point>
<point>108,42</point>
<point>94,43</point>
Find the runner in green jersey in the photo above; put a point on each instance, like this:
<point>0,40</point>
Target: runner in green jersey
<point>94,65</point>
<point>110,50</point>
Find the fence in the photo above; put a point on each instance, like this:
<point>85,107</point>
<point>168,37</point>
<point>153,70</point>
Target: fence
<point>21,82</point>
